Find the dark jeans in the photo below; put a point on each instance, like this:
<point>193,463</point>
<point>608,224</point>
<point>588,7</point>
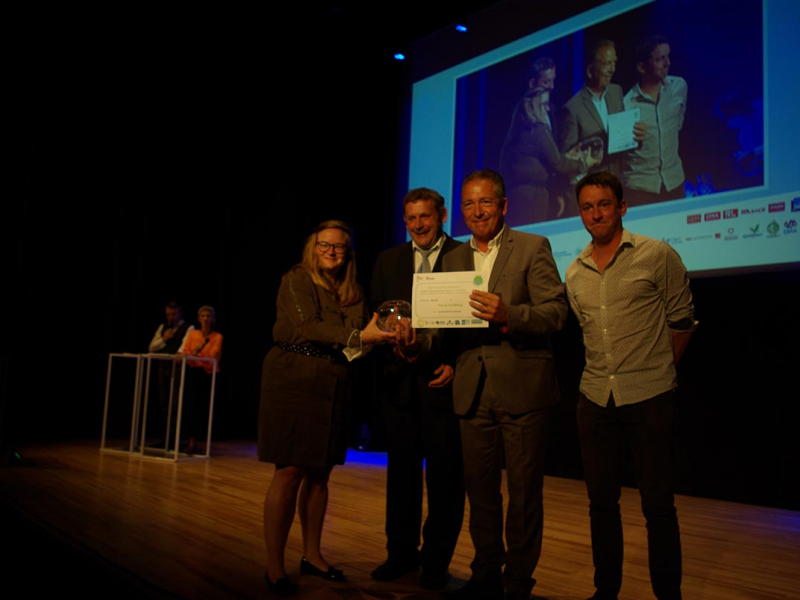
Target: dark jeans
<point>606,434</point>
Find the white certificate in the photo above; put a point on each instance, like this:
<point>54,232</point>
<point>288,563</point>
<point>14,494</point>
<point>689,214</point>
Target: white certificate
<point>442,299</point>
<point>620,130</point>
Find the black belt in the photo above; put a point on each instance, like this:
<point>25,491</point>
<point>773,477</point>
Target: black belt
<point>316,352</point>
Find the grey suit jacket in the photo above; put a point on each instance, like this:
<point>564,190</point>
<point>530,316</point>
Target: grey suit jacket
<point>579,119</point>
<point>518,358</point>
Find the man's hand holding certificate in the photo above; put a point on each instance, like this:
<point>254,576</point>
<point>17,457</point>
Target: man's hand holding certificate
<point>489,307</point>
<point>625,130</point>
<point>456,299</point>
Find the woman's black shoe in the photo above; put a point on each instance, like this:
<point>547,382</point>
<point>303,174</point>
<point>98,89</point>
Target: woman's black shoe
<point>332,574</point>
<point>283,587</point>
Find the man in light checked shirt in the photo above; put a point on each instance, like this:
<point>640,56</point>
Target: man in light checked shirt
<point>631,296</point>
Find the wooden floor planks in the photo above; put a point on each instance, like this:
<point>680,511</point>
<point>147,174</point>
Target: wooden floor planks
<point>193,529</point>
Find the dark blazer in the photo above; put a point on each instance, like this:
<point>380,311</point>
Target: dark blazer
<point>392,279</point>
<point>579,119</point>
<point>517,357</point>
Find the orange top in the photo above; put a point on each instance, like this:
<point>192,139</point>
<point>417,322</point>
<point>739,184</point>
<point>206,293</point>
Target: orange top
<point>196,344</point>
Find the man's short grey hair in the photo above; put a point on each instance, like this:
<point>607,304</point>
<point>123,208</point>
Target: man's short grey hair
<point>493,176</point>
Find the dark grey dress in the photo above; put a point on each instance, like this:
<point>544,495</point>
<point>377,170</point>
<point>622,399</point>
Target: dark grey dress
<point>304,399</point>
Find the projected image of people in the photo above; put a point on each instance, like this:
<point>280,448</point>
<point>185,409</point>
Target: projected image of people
<point>585,119</point>
<point>530,155</point>
<point>613,97</point>
<point>653,171</point>
<point>586,115</point>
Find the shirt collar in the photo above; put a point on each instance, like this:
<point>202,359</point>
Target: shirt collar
<point>494,242</point>
<point>433,248</point>
<point>595,96</point>
<point>628,239</point>
<point>637,91</point>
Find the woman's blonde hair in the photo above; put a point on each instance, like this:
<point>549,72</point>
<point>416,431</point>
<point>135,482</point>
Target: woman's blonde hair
<point>345,288</point>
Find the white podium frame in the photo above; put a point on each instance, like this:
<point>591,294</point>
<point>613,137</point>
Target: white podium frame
<point>139,417</point>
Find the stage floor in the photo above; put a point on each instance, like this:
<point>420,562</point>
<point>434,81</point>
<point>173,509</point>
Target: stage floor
<point>78,520</point>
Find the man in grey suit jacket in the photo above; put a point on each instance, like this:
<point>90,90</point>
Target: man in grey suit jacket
<point>504,384</point>
<point>586,114</point>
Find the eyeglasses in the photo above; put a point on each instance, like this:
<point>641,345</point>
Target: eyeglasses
<point>338,248</point>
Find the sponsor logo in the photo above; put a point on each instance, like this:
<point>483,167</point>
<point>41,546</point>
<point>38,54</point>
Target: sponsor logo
<point>712,216</point>
<point>731,213</point>
<point>795,204</point>
<point>731,235</point>
<point>697,238</point>
<point>777,207</point>
<point>753,211</point>
<point>789,226</point>
<point>693,219</point>
<point>773,229</point>
<point>717,236</point>
<point>754,233</point>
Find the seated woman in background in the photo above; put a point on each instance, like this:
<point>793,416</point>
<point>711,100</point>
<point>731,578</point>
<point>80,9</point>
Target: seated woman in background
<point>205,342</point>
<point>321,325</point>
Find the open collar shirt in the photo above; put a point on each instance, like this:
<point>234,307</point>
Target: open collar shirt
<point>627,313</point>
<point>599,101</point>
<point>656,161</point>
<point>484,261</point>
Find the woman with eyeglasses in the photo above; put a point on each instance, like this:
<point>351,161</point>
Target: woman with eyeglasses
<point>322,324</point>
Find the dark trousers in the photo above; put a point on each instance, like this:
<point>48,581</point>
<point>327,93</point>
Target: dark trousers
<point>196,398</point>
<point>413,434</point>
<point>159,401</point>
<point>606,434</point>
<point>489,435</point>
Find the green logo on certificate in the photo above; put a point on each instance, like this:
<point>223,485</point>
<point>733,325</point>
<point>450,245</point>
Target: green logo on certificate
<point>478,280</point>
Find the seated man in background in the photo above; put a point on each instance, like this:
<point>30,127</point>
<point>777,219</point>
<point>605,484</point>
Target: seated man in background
<point>168,339</point>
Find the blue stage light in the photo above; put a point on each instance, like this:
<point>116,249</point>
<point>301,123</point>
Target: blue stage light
<point>461,28</point>
<point>377,459</point>
<point>399,56</point>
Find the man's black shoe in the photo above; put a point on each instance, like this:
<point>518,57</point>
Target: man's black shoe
<point>393,569</point>
<point>522,591</point>
<point>478,590</point>
<point>434,580</point>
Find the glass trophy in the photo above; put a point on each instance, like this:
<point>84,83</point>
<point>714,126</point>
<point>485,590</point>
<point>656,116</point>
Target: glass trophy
<point>391,312</point>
